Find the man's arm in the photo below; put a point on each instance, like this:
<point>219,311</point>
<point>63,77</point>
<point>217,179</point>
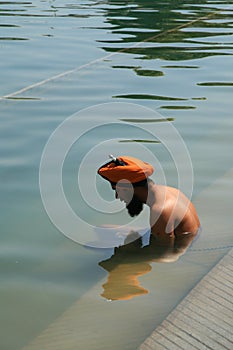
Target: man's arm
<point>183,241</point>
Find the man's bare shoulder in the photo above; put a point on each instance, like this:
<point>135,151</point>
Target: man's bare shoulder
<point>160,213</point>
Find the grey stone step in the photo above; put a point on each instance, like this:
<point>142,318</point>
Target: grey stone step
<point>203,320</point>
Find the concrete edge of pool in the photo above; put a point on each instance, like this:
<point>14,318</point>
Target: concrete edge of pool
<point>203,319</point>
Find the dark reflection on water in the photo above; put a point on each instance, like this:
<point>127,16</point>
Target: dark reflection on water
<point>150,97</point>
<point>148,72</point>
<point>180,67</point>
<point>166,26</point>
<point>47,9</point>
<point>9,25</point>
<point>216,84</point>
<point>178,107</point>
<point>139,140</point>
<point>138,120</point>
<point>168,31</point>
<point>22,98</point>
<point>12,38</point>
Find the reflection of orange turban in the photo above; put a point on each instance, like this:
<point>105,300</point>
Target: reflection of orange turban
<point>134,170</point>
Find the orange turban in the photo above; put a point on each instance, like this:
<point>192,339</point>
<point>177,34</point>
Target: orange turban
<point>134,170</point>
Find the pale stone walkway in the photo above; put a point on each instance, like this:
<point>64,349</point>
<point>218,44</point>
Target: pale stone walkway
<point>204,319</point>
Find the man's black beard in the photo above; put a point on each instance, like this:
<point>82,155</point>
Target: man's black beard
<point>135,206</point>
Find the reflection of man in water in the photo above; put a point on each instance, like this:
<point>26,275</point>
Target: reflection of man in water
<point>122,282</point>
<point>173,218</point>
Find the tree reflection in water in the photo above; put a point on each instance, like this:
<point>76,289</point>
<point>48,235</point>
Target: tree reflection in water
<point>174,30</point>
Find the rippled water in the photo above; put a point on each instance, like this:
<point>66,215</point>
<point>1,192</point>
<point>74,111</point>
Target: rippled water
<point>58,58</point>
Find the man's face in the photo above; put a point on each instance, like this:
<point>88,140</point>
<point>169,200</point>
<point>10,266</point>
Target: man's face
<point>133,203</point>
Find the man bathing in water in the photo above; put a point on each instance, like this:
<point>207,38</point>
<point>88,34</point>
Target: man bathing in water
<point>174,221</point>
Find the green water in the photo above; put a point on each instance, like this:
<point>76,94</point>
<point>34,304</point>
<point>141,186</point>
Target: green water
<point>59,58</point>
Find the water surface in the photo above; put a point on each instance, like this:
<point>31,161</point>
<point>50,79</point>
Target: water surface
<point>58,58</point>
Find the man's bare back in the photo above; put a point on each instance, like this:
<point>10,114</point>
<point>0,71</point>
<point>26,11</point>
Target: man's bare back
<point>173,218</point>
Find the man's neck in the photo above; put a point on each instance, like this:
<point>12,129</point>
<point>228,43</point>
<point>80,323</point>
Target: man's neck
<point>146,195</point>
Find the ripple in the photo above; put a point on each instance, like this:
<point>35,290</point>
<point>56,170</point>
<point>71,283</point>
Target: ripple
<point>12,38</point>
<point>148,72</point>
<point>199,98</point>
<point>21,98</point>
<point>126,67</point>
<point>217,83</point>
<point>139,140</point>
<point>9,25</point>
<point>180,67</point>
<point>142,72</point>
<point>140,120</point>
<point>177,107</point>
<point>150,97</point>
<point>173,53</point>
